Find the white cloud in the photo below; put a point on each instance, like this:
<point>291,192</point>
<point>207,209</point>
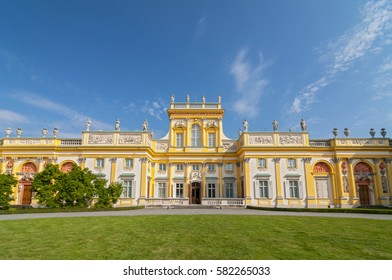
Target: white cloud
<point>201,27</point>
<point>367,37</point>
<point>250,83</point>
<point>155,108</point>
<point>10,117</point>
<point>73,117</point>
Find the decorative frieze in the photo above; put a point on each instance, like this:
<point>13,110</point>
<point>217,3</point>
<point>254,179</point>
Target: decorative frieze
<point>229,146</point>
<point>125,139</point>
<point>261,140</point>
<point>100,139</point>
<point>290,139</point>
<point>162,147</point>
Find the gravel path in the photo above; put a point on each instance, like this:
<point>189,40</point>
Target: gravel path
<point>160,211</point>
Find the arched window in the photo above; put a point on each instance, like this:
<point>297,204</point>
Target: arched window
<point>195,135</point>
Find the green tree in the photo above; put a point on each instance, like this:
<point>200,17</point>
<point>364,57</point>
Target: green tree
<point>7,182</point>
<point>107,196</point>
<point>48,186</point>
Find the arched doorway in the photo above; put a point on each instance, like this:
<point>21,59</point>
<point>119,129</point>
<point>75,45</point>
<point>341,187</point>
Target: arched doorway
<point>363,173</point>
<point>322,183</point>
<point>195,193</point>
<point>27,171</point>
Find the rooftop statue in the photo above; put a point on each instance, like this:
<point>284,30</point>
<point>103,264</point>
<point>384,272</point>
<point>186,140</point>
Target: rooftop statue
<point>275,125</point>
<point>145,125</point>
<point>303,124</point>
<point>117,125</point>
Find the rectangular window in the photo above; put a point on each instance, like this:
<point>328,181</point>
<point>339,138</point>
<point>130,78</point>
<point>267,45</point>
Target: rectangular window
<point>179,167</point>
<point>229,190</point>
<point>195,167</point>
<point>291,163</point>
<point>161,190</point>
<point>211,190</point>
<point>211,167</point>
<point>261,163</point>
<point>229,167</point>
<point>263,189</point>
<point>180,140</point>
<point>128,189</point>
<point>179,190</point>
<point>211,140</point>
<point>100,163</point>
<point>162,167</point>
<point>294,189</point>
<point>129,162</point>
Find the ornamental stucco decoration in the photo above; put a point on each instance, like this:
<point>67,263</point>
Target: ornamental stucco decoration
<point>229,146</point>
<point>261,140</point>
<point>290,140</point>
<point>100,139</point>
<point>130,139</point>
<point>196,176</point>
<point>162,147</point>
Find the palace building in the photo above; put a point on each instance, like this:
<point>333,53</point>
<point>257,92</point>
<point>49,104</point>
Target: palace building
<point>195,163</point>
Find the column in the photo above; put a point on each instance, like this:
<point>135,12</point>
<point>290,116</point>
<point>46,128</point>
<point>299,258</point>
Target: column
<point>82,162</point>
<point>203,179</point>
<point>187,184</point>
<point>351,179</point>
<point>278,180</point>
<point>170,173</point>
<point>248,196</point>
<point>143,180</point>
<point>389,179</point>
<point>378,184</point>
<point>152,182</point>
<point>220,166</point>
<point>41,164</point>
<point>113,169</point>
<point>309,192</point>
<point>238,180</point>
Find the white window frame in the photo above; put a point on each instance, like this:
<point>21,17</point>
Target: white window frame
<point>128,189</point>
<point>179,190</point>
<point>293,188</point>
<point>211,140</point>
<point>100,163</point>
<point>211,190</point>
<point>229,169</point>
<point>261,163</point>
<point>161,190</point>
<point>127,161</point>
<point>179,167</point>
<point>291,163</point>
<point>180,140</point>
<point>229,189</point>
<point>195,135</point>
<point>263,190</point>
<point>211,167</point>
<point>195,167</point>
<point>162,167</point>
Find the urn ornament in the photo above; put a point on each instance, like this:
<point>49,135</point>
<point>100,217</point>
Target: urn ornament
<point>335,132</point>
<point>8,132</point>
<point>44,132</point>
<point>383,132</point>
<point>372,132</point>
<point>346,132</point>
<point>19,132</point>
<point>55,132</point>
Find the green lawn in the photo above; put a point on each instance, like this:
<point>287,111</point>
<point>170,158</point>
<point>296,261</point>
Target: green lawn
<point>196,237</point>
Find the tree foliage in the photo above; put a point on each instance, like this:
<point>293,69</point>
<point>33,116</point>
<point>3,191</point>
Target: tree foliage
<point>7,182</point>
<point>79,188</point>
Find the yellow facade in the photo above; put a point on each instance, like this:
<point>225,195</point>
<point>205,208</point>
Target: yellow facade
<point>197,164</point>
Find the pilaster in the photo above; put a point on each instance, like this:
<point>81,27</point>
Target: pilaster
<point>352,193</point>
<point>143,180</point>
<point>113,169</point>
<point>378,183</point>
<point>220,167</point>
<point>278,179</point>
<point>82,162</point>
<point>152,183</point>
<point>41,164</point>
<point>389,175</point>
<point>238,170</point>
<point>187,183</point>
<point>204,183</point>
<point>248,196</point>
<point>170,175</point>
<point>309,191</point>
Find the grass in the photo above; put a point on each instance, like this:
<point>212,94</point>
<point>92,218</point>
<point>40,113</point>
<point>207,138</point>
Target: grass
<point>196,237</point>
<point>372,210</point>
<point>53,210</point>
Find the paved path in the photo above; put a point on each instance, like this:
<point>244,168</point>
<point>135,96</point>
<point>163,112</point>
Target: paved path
<point>159,211</point>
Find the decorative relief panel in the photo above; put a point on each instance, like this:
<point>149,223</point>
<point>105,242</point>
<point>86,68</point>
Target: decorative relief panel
<point>196,176</point>
<point>162,147</point>
<point>129,139</point>
<point>290,139</point>
<point>229,146</point>
<point>321,167</point>
<point>100,139</point>
<point>210,123</point>
<point>362,142</point>
<point>261,140</point>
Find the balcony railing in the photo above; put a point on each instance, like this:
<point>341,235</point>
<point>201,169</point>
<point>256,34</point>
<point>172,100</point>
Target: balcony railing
<point>166,201</point>
<point>71,142</point>
<point>319,143</point>
<point>223,201</point>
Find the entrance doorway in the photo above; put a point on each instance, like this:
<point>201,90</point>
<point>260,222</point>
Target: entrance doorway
<point>364,195</point>
<point>195,193</point>
<point>26,192</point>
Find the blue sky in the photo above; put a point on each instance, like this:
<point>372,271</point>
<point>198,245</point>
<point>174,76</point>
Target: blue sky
<point>329,62</point>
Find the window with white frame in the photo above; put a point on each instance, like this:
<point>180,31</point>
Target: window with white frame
<point>229,189</point>
<point>195,135</point>
<point>261,163</point>
<point>211,190</point>
<point>229,167</point>
<point>293,189</point>
<point>179,190</point>
<point>291,163</point>
<point>179,167</point>
<point>128,189</point>
<point>195,167</point>
<point>180,140</point>
<point>129,163</point>
<point>322,188</point>
<point>263,189</point>
<point>211,167</point>
<point>161,191</point>
<point>162,167</point>
<point>100,163</point>
<point>211,140</point>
